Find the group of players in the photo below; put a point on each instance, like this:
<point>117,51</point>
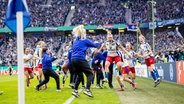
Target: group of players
<point>103,57</point>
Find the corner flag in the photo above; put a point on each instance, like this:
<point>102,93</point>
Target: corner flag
<point>17,19</point>
<point>15,6</point>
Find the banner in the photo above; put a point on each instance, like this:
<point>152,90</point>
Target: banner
<point>132,27</point>
<point>7,72</point>
<point>151,25</point>
<point>167,71</point>
<point>180,72</point>
<point>141,71</point>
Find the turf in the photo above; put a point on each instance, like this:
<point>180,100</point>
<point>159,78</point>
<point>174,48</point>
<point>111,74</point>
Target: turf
<point>165,93</point>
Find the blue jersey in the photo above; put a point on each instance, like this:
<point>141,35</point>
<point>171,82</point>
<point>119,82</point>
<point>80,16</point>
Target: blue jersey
<point>47,61</point>
<point>80,46</point>
<point>98,57</point>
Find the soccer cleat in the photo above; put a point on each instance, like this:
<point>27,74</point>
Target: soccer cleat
<point>75,93</point>
<point>58,90</point>
<point>88,93</point>
<point>122,89</point>
<point>93,86</point>
<point>134,86</point>
<point>44,86</point>
<point>157,82</point>
<point>111,86</point>
<point>71,86</point>
<point>36,87</point>
<point>83,86</point>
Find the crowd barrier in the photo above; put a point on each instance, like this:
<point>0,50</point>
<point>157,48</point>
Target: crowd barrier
<point>4,70</point>
<point>171,71</point>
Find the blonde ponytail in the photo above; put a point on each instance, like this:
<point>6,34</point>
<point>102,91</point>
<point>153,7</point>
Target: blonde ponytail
<point>79,31</point>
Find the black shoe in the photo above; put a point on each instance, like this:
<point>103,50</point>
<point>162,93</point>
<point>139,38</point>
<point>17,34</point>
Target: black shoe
<point>157,82</point>
<point>88,93</point>
<point>111,86</point>
<point>71,86</point>
<point>37,88</point>
<point>83,86</point>
<point>75,93</point>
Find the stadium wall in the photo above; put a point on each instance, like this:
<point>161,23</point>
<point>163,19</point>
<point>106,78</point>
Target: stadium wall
<point>172,71</point>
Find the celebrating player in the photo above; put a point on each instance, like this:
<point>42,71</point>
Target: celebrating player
<point>146,53</point>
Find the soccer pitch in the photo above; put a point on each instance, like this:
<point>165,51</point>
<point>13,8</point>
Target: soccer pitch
<point>165,93</point>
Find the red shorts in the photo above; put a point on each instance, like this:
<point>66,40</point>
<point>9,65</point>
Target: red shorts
<point>132,69</point>
<point>39,66</point>
<point>115,58</point>
<point>126,70</point>
<point>29,70</point>
<point>65,67</point>
<point>149,61</point>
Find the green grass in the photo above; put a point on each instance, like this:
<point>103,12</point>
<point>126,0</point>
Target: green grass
<point>8,84</point>
<point>165,93</point>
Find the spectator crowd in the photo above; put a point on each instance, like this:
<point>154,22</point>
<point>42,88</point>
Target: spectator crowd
<point>8,53</point>
<point>94,12</point>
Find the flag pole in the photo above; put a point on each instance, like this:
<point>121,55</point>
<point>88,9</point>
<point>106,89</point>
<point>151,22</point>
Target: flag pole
<point>20,53</point>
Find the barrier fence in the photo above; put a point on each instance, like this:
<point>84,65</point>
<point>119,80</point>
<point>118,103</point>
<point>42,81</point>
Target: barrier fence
<point>172,71</point>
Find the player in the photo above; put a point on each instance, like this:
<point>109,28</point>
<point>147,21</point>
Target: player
<point>112,47</point>
<point>96,64</point>
<point>130,60</point>
<point>146,53</point>
<point>27,66</point>
<point>126,69</point>
<point>38,57</point>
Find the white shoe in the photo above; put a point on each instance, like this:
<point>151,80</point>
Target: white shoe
<point>58,90</point>
<point>105,80</point>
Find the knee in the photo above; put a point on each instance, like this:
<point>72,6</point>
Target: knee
<point>107,64</point>
<point>117,77</point>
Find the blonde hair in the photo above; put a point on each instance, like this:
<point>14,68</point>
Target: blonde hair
<point>141,36</point>
<point>109,34</point>
<point>41,44</point>
<point>131,47</point>
<point>79,31</point>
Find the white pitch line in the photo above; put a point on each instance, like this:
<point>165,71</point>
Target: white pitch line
<point>71,98</point>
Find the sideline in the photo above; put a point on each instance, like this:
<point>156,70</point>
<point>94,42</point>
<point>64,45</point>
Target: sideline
<point>68,101</point>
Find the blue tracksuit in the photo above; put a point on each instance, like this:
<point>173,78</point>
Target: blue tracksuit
<point>80,46</point>
<point>98,57</point>
<point>47,61</point>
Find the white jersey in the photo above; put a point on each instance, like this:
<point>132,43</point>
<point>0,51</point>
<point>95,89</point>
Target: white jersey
<point>144,49</point>
<point>131,58</point>
<point>65,54</point>
<point>27,64</point>
<point>112,48</point>
<point>38,52</point>
<point>123,58</point>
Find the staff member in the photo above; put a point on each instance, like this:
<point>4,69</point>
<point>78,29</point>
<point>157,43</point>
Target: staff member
<point>79,63</point>
<point>47,70</point>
